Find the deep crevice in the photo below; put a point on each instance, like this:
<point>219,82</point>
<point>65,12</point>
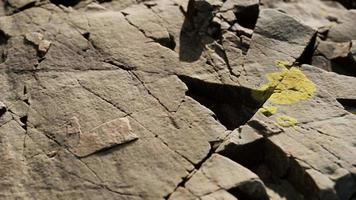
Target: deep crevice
<point>3,42</point>
<point>348,104</point>
<point>86,35</point>
<point>24,122</point>
<point>232,105</point>
<point>166,42</point>
<point>349,4</point>
<point>345,66</point>
<point>66,3</point>
<point>2,109</point>
<point>25,7</point>
<point>210,153</point>
<point>273,167</point>
<point>307,55</point>
<point>247,16</point>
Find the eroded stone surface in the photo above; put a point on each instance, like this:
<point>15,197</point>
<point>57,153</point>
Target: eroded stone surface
<point>107,135</point>
<point>157,99</point>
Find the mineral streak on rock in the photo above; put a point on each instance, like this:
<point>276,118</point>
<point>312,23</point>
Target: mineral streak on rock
<point>177,99</point>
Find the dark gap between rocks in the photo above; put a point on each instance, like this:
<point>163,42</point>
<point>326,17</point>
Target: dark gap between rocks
<point>66,3</point>
<point>26,100</point>
<point>210,153</point>
<point>2,110</point>
<point>277,171</point>
<point>232,105</point>
<point>345,66</point>
<point>349,4</point>
<point>280,172</point>
<point>307,55</point>
<point>167,42</point>
<point>3,42</point>
<point>86,35</point>
<point>348,104</point>
<point>239,194</point>
<point>25,7</point>
<point>195,26</point>
<point>247,16</point>
<point>104,1</point>
<point>24,122</point>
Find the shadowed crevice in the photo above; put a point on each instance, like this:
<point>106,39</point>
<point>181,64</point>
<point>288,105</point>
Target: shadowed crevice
<point>66,3</point>
<point>232,105</point>
<point>348,104</point>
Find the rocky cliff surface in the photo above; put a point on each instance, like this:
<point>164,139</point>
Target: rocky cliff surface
<point>178,99</point>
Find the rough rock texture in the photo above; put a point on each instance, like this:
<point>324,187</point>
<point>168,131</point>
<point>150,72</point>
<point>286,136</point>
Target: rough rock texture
<point>177,99</point>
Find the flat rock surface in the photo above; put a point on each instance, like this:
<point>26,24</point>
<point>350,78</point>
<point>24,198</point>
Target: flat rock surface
<point>177,99</point>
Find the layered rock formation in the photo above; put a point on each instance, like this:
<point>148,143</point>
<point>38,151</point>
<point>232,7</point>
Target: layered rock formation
<point>178,99</point>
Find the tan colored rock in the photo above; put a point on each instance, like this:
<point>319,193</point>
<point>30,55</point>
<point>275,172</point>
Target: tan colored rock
<point>34,37</point>
<point>219,195</point>
<point>44,46</point>
<point>219,172</point>
<point>182,194</point>
<point>107,135</point>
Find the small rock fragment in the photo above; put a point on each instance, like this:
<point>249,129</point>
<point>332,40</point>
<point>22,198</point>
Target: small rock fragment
<point>240,30</point>
<point>109,134</point>
<point>38,40</point>
<point>95,7</point>
<point>219,172</point>
<point>44,46</point>
<point>333,50</point>
<point>34,38</point>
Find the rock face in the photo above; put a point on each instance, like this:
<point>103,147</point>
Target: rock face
<point>177,99</point>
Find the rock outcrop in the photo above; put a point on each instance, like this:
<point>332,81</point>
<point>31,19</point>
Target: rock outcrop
<point>177,99</point>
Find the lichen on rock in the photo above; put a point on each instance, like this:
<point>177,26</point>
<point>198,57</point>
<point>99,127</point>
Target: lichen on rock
<point>294,87</point>
<point>286,121</point>
<point>283,64</point>
<point>268,110</point>
<point>288,87</point>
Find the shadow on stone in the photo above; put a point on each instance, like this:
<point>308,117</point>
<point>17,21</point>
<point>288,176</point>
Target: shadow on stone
<point>232,105</point>
<point>348,104</point>
<point>66,3</point>
<point>196,22</point>
<point>345,187</point>
<point>345,66</point>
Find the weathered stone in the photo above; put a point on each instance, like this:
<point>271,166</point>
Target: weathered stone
<point>276,37</point>
<point>107,135</point>
<point>219,195</point>
<point>177,99</point>
<point>344,31</point>
<point>182,194</point>
<point>316,13</point>
<point>332,50</point>
<point>34,37</point>
<point>44,46</point>
<point>219,172</point>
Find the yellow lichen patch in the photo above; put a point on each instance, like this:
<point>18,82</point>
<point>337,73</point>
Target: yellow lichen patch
<point>286,121</point>
<point>262,93</point>
<point>294,87</point>
<point>283,64</point>
<point>286,87</point>
<point>268,110</point>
